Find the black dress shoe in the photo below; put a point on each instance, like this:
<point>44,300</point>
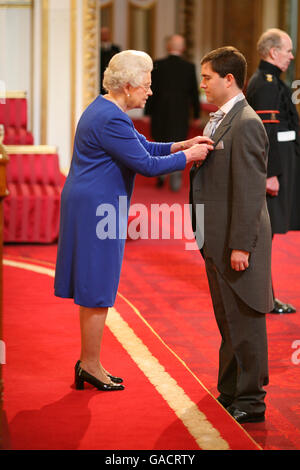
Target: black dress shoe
<point>224,401</point>
<point>244,416</point>
<point>82,376</point>
<point>280,307</point>
<point>116,380</point>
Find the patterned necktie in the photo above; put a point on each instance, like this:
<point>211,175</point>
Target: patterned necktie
<point>210,127</point>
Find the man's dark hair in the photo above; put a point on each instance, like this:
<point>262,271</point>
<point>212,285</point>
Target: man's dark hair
<point>225,60</point>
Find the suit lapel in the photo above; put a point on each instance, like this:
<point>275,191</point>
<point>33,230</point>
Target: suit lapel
<point>221,130</point>
<point>226,123</point>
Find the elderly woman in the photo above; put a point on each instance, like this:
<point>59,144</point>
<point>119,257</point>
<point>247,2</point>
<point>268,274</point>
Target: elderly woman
<point>108,152</point>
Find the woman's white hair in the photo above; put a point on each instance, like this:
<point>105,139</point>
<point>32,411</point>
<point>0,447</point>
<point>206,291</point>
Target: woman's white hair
<point>127,67</point>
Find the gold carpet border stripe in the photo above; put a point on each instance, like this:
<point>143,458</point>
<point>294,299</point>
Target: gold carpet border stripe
<point>29,267</point>
<point>51,272</point>
<point>182,362</point>
<point>31,260</point>
<point>206,436</point>
<point>162,341</point>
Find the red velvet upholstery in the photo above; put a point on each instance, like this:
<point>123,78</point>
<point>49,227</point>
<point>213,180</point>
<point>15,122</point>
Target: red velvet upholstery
<point>13,115</point>
<point>14,136</point>
<point>31,210</point>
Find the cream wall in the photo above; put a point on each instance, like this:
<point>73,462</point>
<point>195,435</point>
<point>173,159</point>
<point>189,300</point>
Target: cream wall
<point>61,71</point>
<point>42,53</point>
<point>59,79</point>
<point>36,72</point>
<point>16,50</point>
<point>52,76</point>
<point>164,26</point>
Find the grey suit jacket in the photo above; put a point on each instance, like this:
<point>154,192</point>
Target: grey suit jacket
<point>231,184</point>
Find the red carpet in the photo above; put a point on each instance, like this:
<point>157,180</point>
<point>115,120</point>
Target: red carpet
<point>45,412</point>
<point>164,300</point>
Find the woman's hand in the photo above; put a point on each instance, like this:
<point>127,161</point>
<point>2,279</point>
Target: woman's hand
<point>199,139</point>
<point>186,144</point>
<point>197,153</point>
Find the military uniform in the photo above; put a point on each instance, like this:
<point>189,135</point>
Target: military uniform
<point>271,98</point>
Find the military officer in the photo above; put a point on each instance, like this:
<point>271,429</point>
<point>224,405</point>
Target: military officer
<point>272,100</point>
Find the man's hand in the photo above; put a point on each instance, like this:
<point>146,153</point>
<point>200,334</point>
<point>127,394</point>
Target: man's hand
<point>272,186</point>
<point>239,260</point>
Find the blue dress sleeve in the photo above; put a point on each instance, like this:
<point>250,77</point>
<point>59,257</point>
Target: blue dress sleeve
<point>120,140</point>
<point>154,148</point>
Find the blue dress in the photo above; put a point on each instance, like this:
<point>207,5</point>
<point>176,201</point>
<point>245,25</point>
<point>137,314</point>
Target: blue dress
<point>108,152</point>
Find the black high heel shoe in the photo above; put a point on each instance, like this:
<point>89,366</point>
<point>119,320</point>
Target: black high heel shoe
<point>116,380</point>
<point>82,376</point>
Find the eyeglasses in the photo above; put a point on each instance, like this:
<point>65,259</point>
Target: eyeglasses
<point>146,87</point>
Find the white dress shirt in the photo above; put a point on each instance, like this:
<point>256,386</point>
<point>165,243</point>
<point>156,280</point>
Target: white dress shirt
<point>229,105</point>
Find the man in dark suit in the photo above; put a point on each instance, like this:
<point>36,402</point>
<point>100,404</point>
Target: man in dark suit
<point>107,51</point>
<point>272,100</point>
<point>231,185</point>
<point>175,95</point>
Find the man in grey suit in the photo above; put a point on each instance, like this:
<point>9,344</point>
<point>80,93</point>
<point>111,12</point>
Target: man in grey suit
<point>231,184</point>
